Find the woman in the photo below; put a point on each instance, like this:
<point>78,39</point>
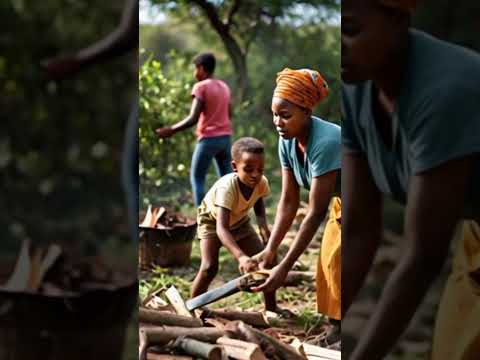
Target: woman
<point>410,130</point>
<point>309,150</point>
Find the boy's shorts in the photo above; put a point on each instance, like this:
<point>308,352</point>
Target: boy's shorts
<point>241,232</point>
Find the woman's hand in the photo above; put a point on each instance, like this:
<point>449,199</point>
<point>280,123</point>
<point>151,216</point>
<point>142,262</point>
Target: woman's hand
<point>265,258</point>
<point>274,281</point>
<point>246,264</point>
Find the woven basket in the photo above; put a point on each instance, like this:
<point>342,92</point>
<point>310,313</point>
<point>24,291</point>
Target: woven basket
<point>166,247</point>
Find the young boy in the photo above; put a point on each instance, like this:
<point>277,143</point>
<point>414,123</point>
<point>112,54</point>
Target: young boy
<point>223,216</point>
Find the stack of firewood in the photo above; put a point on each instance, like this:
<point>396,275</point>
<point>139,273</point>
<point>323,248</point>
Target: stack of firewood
<point>217,334</point>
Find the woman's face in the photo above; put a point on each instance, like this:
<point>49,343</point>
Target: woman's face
<point>371,37</point>
<point>289,119</point>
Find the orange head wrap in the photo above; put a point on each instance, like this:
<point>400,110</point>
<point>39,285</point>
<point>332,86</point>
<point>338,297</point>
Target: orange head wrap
<point>404,5</point>
<point>304,87</point>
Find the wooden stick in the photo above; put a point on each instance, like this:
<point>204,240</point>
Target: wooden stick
<point>19,278</point>
<point>142,344</point>
<point>158,335</point>
<point>166,318</point>
<point>151,356</point>
<point>36,278</point>
<point>177,302</point>
<point>317,351</point>
<point>251,318</point>
<point>198,348</point>
<point>241,350</point>
<point>271,345</point>
<point>297,277</point>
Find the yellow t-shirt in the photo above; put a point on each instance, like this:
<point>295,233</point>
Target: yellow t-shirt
<point>226,193</point>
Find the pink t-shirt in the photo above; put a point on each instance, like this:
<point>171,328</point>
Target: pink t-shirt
<point>214,119</point>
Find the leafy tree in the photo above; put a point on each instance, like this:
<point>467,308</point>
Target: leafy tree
<point>238,23</point>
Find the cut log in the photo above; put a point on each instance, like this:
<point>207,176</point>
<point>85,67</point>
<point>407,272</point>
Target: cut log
<point>177,302</point>
<point>19,278</point>
<point>148,218</point>
<point>271,346</point>
<point>158,335</point>
<point>316,352</point>
<point>166,318</point>
<point>198,348</point>
<point>142,344</point>
<point>37,275</point>
<point>297,277</point>
<point>251,318</point>
<point>241,350</point>
<point>151,356</point>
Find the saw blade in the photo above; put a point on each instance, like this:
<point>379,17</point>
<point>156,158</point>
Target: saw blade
<point>228,289</point>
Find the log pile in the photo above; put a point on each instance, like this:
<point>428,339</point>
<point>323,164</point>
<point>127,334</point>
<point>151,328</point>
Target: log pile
<point>218,334</point>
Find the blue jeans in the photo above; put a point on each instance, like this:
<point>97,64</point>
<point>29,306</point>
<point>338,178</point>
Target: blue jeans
<point>206,149</point>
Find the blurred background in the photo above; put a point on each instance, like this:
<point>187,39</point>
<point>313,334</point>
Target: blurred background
<point>61,141</point>
<point>456,22</point>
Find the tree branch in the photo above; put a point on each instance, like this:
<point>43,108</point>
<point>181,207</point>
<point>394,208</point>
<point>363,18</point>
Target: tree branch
<point>212,15</point>
<point>231,13</point>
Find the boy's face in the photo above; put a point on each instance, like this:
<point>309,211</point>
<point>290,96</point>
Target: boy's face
<point>249,168</point>
<point>289,119</point>
<point>199,73</point>
<point>371,36</point>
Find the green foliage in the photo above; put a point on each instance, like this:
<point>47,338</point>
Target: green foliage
<point>161,280</point>
<point>61,142</point>
<point>306,45</point>
<point>164,99</point>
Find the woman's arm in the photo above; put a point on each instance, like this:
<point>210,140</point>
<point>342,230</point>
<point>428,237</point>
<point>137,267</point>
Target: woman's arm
<point>362,223</point>
<point>320,194</point>
<point>434,206</point>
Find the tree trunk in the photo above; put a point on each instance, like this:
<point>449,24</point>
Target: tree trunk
<point>235,52</point>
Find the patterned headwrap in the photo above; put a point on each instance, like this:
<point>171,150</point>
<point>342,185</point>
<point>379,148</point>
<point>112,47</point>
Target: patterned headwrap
<point>304,87</point>
<point>404,5</point>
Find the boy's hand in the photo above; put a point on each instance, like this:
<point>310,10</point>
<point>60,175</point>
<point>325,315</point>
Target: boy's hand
<point>265,258</point>
<point>246,264</point>
<point>165,132</point>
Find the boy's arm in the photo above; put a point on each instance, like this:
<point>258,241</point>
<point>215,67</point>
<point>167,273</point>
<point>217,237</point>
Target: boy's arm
<point>320,194</point>
<point>260,213</point>
<point>432,213</point>
<point>190,120</point>
<point>245,263</point>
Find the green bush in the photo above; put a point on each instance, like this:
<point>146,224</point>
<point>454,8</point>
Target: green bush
<point>164,100</point>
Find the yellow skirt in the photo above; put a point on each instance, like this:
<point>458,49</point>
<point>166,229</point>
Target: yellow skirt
<point>457,327</point>
<point>329,265</point>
